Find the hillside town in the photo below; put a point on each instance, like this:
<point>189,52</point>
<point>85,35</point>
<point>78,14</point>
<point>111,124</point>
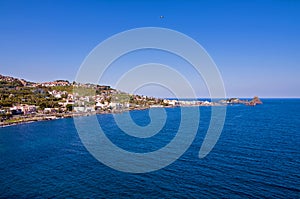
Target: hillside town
<point>24,101</point>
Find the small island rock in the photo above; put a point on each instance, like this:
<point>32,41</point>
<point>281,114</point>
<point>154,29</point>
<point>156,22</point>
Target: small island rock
<point>254,101</point>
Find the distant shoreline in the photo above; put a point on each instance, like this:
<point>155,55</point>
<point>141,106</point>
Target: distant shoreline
<point>49,117</point>
<point>22,101</point>
<point>45,117</point>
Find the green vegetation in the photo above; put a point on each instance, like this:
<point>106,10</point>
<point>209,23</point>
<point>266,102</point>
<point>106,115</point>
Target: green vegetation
<point>69,89</point>
<point>84,91</point>
<point>12,93</point>
<point>69,107</point>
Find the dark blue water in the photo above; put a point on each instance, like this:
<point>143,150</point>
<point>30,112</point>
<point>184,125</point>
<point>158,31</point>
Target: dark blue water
<point>257,155</point>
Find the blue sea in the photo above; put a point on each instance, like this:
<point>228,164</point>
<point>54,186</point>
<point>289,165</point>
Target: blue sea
<point>256,156</point>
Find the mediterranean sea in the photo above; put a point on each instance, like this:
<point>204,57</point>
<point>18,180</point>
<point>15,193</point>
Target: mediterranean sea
<point>256,156</point>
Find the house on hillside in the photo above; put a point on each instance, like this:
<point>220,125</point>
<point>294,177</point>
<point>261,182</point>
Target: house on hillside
<point>17,110</point>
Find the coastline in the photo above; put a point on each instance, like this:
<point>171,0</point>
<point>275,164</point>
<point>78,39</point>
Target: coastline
<point>48,117</point>
<point>45,117</point>
<point>22,101</point>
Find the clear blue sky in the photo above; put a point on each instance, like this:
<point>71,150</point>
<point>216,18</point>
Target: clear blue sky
<point>255,44</point>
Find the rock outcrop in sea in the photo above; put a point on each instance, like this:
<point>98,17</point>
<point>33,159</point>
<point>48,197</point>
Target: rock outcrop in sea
<point>254,101</point>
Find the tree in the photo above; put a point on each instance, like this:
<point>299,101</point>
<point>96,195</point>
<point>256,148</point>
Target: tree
<point>69,107</point>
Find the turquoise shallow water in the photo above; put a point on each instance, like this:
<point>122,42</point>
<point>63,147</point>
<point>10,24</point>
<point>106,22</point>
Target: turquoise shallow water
<point>257,155</point>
